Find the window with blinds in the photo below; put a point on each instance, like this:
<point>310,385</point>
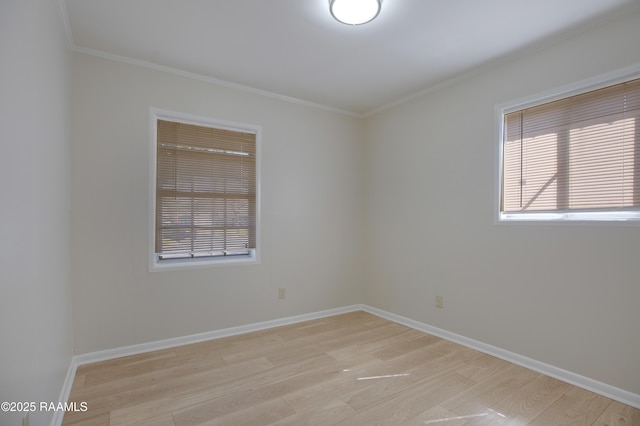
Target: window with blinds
<point>205,193</point>
<point>576,158</point>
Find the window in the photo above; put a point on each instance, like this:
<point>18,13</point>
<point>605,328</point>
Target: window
<point>205,192</point>
<point>574,158</point>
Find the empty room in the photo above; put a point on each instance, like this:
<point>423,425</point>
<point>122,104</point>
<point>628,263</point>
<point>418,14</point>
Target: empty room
<point>319,212</point>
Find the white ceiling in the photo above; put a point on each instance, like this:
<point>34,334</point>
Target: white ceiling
<point>295,49</point>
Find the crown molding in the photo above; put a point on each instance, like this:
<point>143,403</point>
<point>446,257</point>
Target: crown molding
<point>632,9</point>
<point>66,25</point>
<point>431,88</point>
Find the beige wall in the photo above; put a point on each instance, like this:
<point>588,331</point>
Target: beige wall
<point>564,295</point>
<point>35,323</point>
<point>312,194</point>
<point>424,188</point>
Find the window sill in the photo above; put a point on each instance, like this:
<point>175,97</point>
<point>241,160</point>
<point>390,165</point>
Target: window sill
<point>594,218</point>
<point>196,263</point>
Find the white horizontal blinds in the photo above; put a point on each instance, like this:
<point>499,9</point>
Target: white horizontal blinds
<point>578,153</point>
<point>205,191</point>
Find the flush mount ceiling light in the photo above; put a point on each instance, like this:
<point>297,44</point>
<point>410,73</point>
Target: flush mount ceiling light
<point>355,12</point>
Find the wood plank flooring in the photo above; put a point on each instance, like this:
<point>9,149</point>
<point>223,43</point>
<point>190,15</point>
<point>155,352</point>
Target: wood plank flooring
<point>351,369</point>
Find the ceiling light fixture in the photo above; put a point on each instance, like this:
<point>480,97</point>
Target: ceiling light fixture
<point>355,12</point>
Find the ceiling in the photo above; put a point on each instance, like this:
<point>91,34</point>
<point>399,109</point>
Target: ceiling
<point>294,48</point>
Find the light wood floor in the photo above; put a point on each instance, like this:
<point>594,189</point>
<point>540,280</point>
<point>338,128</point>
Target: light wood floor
<point>352,369</point>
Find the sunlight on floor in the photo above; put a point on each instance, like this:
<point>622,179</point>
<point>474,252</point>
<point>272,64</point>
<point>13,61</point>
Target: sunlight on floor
<point>383,377</point>
<point>470,416</point>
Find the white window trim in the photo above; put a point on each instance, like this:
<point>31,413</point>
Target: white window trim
<point>156,114</point>
<point>622,217</point>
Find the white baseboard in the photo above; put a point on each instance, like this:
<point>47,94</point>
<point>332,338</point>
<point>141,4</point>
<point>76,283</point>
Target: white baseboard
<point>587,383</point>
<point>603,389</point>
<point>98,356</point>
<point>58,415</point>
<point>108,354</point>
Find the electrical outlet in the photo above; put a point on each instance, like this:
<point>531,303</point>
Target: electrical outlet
<point>281,293</point>
<point>439,302</point>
